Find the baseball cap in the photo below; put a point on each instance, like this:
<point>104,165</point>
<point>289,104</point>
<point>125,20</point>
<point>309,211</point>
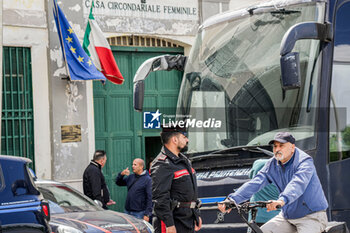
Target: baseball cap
<point>283,137</point>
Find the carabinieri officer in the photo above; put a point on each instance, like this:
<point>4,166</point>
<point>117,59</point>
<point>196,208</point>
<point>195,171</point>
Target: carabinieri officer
<point>174,186</point>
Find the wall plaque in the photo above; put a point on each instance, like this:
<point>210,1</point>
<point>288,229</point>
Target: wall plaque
<point>70,133</point>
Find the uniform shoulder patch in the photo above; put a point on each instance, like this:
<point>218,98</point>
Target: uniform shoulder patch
<point>162,157</point>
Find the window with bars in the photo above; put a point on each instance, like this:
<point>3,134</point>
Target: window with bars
<point>143,41</point>
<point>17,127</point>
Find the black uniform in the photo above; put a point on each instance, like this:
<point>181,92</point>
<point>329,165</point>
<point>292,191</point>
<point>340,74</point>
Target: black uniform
<point>173,182</point>
<point>94,184</point>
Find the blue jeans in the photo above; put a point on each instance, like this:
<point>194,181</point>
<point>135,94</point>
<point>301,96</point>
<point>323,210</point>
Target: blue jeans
<point>137,214</point>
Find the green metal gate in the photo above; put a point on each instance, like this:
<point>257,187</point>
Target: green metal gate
<point>118,128</point>
<point>17,128</point>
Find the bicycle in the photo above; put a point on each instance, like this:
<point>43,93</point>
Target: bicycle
<point>244,208</point>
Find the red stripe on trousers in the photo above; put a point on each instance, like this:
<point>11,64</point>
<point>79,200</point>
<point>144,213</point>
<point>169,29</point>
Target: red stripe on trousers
<point>163,227</point>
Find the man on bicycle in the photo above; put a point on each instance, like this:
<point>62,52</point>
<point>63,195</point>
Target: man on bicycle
<point>301,196</point>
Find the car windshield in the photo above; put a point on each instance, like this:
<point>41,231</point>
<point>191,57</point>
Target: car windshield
<point>233,75</point>
<point>63,199</point>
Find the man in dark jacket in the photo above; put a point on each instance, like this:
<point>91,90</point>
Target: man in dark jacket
<point>174,186</point>
<point>94,184</point>
<point>139,199</point>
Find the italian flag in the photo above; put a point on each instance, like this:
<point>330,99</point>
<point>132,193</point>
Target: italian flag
<point>97,47</point>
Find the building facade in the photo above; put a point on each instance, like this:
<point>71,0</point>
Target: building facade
<point>26,129</point>
<point>59,124</point>
<point>104,113</point>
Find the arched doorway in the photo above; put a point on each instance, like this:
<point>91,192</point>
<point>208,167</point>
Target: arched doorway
<point>118,128</point>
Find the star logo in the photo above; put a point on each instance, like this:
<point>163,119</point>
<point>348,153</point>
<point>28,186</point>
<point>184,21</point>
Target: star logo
<point>89,62</point>
<point>156,115</point>
<point>80,59</point>
<point>151,120</point>
<point>72,49</point>
<point>70,30</point>
<point>69,39</point>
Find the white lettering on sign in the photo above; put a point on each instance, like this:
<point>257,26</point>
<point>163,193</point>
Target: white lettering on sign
<point>223,173</point>
<point>153,9</point>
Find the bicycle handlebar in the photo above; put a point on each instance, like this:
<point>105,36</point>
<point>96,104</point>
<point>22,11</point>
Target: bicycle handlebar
<point>243,209</point>
<point>246,206</point>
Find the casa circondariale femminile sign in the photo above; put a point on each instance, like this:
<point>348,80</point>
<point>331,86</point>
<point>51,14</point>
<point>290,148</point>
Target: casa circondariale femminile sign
<point>151,9</point>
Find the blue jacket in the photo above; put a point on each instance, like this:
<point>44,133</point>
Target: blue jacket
<point>139,196</point>
<point>297,182</point>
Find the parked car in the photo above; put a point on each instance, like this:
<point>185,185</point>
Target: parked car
<point>72,211</point>
<point>22,207</point>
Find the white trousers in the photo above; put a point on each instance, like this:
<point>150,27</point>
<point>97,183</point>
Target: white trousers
<point>311,223</point>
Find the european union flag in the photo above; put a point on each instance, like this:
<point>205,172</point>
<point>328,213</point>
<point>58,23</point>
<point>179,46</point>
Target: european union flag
<point>80,66</point>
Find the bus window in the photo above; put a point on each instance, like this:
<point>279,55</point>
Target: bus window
<point>339,130</point>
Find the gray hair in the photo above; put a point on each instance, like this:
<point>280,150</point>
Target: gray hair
<point>99,154</point>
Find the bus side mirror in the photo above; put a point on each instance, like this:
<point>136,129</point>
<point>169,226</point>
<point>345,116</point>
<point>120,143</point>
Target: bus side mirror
<point>290,64</point>
<point>139,93</point>
<point>290,69</point>
<point>164,62</point>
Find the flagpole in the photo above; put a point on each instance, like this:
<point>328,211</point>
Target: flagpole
<point>60,37</point>
<point>92,6</point>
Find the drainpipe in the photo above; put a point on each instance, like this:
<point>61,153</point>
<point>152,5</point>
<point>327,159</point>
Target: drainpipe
<point>1,14</point>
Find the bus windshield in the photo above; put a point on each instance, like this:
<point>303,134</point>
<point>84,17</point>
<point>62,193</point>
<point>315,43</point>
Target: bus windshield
<point>233,72</point>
